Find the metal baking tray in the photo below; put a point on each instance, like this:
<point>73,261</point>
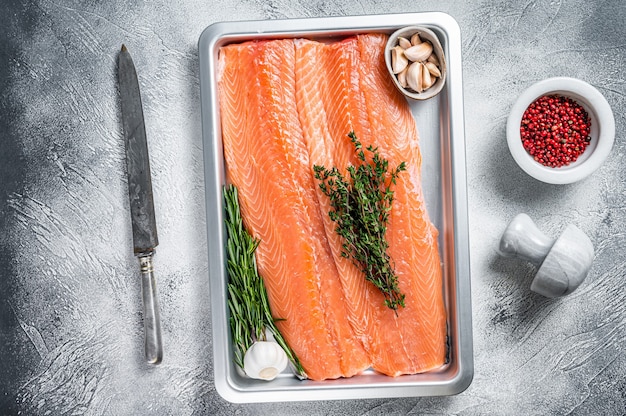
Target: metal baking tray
<point>442,140</point>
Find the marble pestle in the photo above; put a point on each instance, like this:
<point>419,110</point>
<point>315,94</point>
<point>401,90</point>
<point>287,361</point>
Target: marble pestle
<point>562,263</point>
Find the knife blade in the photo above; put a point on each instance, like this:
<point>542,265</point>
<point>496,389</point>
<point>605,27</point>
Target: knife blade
<point>140,193</point>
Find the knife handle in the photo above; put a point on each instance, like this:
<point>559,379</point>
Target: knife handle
<point>151,318</point>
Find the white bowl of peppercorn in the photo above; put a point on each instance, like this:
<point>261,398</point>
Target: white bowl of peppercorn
<point>560,130</point>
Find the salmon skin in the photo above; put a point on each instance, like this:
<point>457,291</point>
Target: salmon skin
<point>285,106</point>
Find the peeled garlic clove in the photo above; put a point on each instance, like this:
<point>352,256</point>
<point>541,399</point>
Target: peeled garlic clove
<point>415,39</point>
<point>402,77</point>
<point>419,52</point>
<point>264,360</point>
<point>398,60</point>
<point>414,77</point>
<point>427,81</point>
<point>432,68</point>
<point>404,43</point>
<point>433,59</point>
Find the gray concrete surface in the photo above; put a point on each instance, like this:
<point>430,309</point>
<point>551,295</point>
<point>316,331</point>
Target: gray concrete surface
<point>70,319</point>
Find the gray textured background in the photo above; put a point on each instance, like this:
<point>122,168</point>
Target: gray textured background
<point>70,319</point>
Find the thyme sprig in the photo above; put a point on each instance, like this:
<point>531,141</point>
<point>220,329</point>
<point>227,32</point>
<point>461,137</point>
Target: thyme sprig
<point>361,205</point>
<point>250,313</point>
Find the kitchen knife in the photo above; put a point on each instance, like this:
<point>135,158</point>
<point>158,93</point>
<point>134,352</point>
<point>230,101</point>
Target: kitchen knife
<point>141,202</point>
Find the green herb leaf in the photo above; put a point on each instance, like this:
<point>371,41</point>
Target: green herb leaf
<point>248,303</point>
<point>360,206</point>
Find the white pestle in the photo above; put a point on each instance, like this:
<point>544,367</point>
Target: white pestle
<point>562,264</point>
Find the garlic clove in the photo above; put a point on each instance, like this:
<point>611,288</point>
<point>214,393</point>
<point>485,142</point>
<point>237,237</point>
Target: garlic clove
<point>419,52</point>
<point>264,360</point>
<point>427,81</point>
<point>414,77</point>
<point>402,77</point>
<point>433,59</point>
<point>404,43</point>
<point>415,39</point>
<point>398,60</point>
<point>433,69</point>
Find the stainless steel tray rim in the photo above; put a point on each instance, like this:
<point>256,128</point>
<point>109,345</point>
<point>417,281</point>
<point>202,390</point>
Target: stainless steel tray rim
<point>226,382</point>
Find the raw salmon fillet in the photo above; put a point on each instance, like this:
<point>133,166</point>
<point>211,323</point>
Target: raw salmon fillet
<point>343,87</point>
<point>267,160</point>
<point>412,237</point>
<point>286,106</point>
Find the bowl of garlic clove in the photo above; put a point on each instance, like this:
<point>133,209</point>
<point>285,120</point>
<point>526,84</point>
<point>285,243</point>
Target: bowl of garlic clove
<point>416,62</point>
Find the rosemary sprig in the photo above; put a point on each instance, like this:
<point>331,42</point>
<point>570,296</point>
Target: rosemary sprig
<point>250,313</point>
<point>360,208</point>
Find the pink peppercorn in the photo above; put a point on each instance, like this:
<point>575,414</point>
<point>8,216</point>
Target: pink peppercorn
<point>555,130</point>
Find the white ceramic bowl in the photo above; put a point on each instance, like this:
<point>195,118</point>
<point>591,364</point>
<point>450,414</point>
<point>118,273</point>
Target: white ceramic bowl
<point>426,35</point>
<point>602,132</point>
